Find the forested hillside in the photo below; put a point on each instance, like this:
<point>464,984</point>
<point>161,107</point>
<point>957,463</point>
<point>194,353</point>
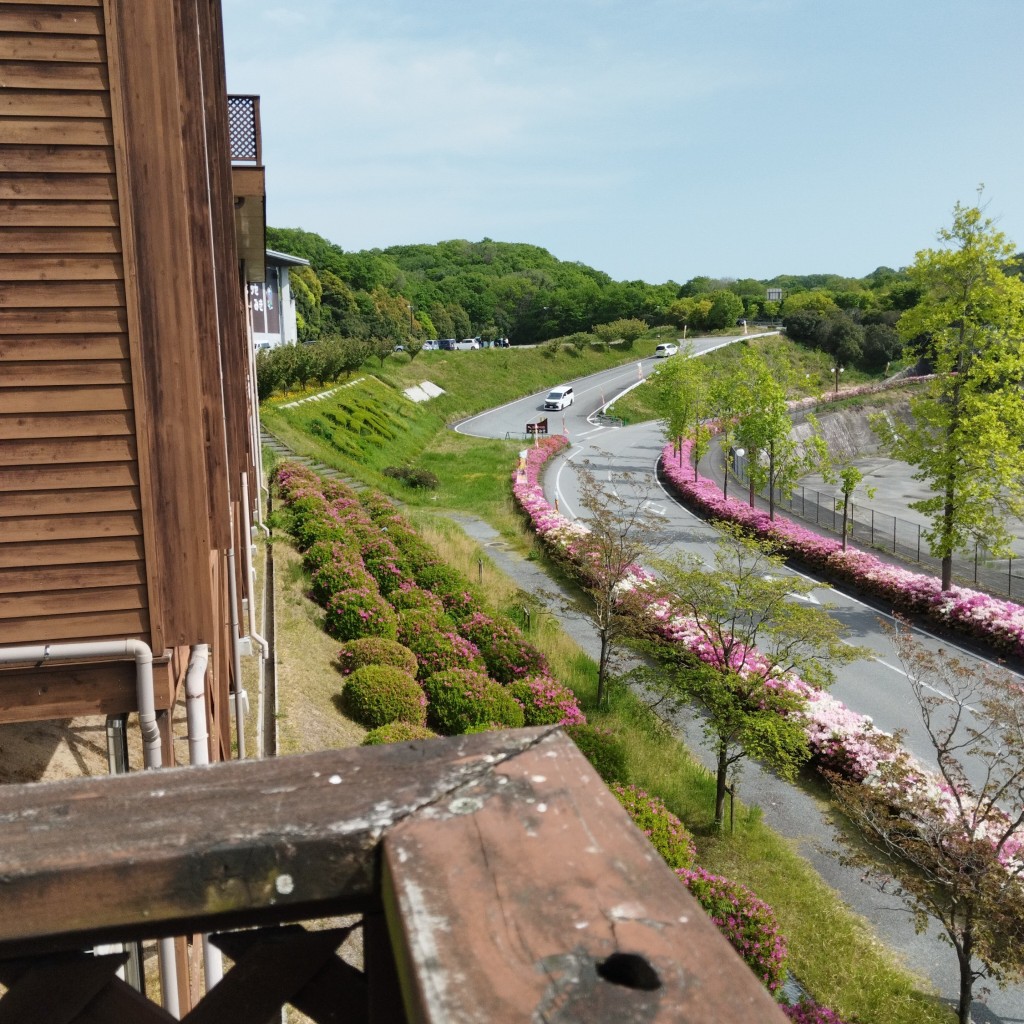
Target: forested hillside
<point>459,289</point>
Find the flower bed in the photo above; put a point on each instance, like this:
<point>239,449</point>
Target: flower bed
<point>842,741</point>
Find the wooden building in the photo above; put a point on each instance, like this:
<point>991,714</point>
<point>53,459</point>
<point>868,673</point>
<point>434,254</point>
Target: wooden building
<point>128,439</point>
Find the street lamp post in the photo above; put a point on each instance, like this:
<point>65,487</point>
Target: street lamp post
<point>837,370</point>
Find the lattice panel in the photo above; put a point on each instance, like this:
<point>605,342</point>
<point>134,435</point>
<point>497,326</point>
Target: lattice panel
<point>242,128</point>
<point>273,967</point>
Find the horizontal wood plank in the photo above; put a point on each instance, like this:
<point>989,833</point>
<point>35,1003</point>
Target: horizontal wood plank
<point>54,131</point>
<point>101,320</point>
<point>73,241</point>
<point>72,577</point>
<point>72,526</point>
<point>54,374</point>
<point>39,295</point>
<point>67,691</point>
<point>36,347</point>
<point>58,186</point>
<point>73,49</point>
<point>63,602</point>
<point>76,20</point>
<point>58,214</point>
<point>53,75</point>
<point>63,424</point>
<point>61,450</point>
<point>91,626</point>
<point>79,398</point>
<point>70,552</point>
<point>53,103</point>
<point>58,159</point>
<point>50,503</point>
<point>45,478</point>
<point>106,267</point>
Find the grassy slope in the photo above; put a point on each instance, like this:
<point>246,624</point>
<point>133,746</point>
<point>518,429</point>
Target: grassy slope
<point>833,951</point>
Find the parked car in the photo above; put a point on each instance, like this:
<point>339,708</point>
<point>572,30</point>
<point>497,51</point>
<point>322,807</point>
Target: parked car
<point>430,346</point>
<point>560,397</point>
<point>666,348</point>
<point>466,344</point>
<point>446,344</point>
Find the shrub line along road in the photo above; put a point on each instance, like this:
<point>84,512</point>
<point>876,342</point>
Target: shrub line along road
<point>875,687</point>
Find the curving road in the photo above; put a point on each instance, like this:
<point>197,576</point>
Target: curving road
<point>875,687</point>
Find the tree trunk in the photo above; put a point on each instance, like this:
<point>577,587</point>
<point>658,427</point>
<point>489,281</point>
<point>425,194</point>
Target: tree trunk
<point>725,481</point>
<point>602,669</point>
<point>720,786</point>
<point>963,953</point>
<point>846,512</point>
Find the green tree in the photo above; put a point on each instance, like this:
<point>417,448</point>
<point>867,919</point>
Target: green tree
<point>682,390</point>
<point>726,308</point>
<point>753,632</point>
<point>849,478</point>
<point>775,460</point>
<point>966,438</point>
<point>626,330</point>
<point>952,845</point>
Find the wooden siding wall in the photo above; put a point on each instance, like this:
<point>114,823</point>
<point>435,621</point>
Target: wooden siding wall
<point>124,394</point>
<point>71,555</point>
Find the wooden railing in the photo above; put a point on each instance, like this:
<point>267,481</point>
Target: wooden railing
<point>497,879</point>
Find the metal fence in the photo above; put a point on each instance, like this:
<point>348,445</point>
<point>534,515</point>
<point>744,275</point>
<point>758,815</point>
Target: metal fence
<point>869,528</point>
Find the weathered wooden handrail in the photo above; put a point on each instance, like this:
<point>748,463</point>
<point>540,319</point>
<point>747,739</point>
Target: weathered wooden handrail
<point>500,881</point>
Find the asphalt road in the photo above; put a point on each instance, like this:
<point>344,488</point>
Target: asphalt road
<point>876,687</point>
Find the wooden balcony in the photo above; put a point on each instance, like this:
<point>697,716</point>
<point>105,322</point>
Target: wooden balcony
<point>497,879</point>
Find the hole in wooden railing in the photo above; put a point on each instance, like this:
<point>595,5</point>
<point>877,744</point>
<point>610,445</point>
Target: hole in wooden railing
<point>630,971</point>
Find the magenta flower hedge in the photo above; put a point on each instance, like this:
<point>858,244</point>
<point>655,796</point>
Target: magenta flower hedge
<point>746,921</point>
<point>809,1012</point>
<point>998,622</point>
<point>547,702</point>
<point>666,832</point>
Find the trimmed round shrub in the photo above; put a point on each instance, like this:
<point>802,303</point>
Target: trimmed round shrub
<point>666,832</point>
<point>344,572</point>
<point>416,625</point>
<point>461,604</point>
<point>746,921</point>
<point>358,612</point>
<point>384,563</point>
<point>545,701</point>
<point>375,695</point>
<point>460,699</point>
<point>440,578</point>
<point>438,652</point>
<point>397,732</point>
<point>322,553</point>
<point>602,748</point>
<point>506,653</point>
<point>375,650</point>
<point>408,597</point>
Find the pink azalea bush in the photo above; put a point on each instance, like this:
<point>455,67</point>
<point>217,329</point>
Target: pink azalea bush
<point>506,652</point>
<point>359,611</point>
<point>547,702</point>
<point>746,921</point>
<point>461,699</point>
<point>991,619</point>
<point>666,832</point>
<point>375,650</point>
<point>376,695</point>
<point>809,1012</point>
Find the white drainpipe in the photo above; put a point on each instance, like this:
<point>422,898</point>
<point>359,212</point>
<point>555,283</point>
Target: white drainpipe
<point>199,753</point>
<point>236,656</point>
<point>250,572</point>
<point>152,755</point>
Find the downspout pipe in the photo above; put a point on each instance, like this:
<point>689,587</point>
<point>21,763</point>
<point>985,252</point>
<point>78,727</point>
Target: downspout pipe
<point>199,754</point>
<point>236,656</point>
<point>152,754</point>
<point>250,572</point>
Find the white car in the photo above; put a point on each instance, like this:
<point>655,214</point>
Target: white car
<point>665,349</point>
<point>560,397</point>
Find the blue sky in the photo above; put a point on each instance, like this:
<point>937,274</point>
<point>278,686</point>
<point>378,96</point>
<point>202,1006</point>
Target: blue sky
<point>651,139</point>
